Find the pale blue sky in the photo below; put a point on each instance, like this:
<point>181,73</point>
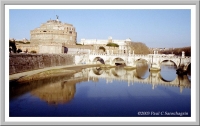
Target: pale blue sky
<point>156,28</point>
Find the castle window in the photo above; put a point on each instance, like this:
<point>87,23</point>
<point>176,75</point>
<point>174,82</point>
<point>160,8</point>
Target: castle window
<point>44,31</point>
<point>70,32</point>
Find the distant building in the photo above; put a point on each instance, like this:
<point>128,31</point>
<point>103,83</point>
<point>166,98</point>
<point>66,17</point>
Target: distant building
<point>54,31</point>
<point>51,37</point>
<point>123,46</point>
<point>57,37</point>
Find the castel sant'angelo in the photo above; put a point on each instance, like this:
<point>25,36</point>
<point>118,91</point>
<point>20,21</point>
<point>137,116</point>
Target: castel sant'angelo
<point>55,36</point>
<point>54,31</point>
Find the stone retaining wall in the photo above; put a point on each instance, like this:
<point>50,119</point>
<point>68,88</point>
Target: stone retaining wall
<point>21,62</point>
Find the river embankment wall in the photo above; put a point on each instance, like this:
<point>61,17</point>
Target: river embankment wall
<point>22,62</point>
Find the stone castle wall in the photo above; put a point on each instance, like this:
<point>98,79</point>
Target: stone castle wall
<point>26,62</point>
<point>54,31</point>
<point>28,47</point>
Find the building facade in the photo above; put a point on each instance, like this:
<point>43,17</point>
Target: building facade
<point>123,44</point>
<point>54,31</point>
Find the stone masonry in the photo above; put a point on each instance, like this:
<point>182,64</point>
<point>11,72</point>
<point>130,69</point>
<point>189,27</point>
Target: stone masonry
<point>23,62</point>
<point>54,31</point>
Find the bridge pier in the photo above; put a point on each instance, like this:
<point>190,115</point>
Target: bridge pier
<point>154,68</point>
<point>181,71</point>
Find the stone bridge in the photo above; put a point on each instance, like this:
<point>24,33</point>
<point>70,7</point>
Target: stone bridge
<point>154,60</point>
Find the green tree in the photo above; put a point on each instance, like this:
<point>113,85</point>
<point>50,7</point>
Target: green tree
<point>112,45</point>
<point>13,46</point>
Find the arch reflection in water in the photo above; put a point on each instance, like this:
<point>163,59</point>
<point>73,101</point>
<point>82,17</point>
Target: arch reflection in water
<point>58,90</point>
<point>97,70</point>
<point>142,69</point>
<point>95,97</point>
<point>118,71</point>
<point>168,71</point>
<point>131,76</point>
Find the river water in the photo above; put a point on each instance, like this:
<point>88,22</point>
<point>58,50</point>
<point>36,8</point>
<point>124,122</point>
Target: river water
<point>105,92</point>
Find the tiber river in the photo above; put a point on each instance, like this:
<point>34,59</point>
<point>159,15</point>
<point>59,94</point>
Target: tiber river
<point>100,92</point>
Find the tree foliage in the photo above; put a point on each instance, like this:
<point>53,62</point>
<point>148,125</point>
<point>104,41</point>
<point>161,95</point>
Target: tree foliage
<point>12,46</point>
<point>112,45</point>
<point>138,47</point>
<point>19,50</point>
<point>177,51</point>
<point>21,42</point>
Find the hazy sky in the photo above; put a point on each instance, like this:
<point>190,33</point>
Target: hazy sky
<point>156,28</point>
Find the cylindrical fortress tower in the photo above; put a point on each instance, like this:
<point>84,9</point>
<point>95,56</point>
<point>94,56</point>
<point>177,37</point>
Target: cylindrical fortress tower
<point>54,31</point>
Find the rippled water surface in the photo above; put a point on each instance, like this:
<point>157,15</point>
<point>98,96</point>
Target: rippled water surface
<point>98,92</point>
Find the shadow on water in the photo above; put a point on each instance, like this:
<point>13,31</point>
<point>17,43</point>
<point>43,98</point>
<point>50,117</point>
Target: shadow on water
<point>53,90</point>
<point>18,88</point>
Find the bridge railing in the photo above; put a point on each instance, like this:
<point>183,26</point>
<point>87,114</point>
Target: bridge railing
<point>141,55</point>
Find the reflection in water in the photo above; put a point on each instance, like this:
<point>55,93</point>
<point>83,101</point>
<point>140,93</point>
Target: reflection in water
<point>189,72</point>
<point>62,89</point>
<point>168,73</point>
<point>142,70</point>
<point>56,93</point>
<point>54,90</point>
<point>17,88</point>
<point>100,92</point>
<point>119,71</point>
<point>97,70</point>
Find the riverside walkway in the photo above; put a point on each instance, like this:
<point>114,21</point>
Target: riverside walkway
<point>70,67</point>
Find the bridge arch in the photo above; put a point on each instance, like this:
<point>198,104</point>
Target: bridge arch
<point>98,59</point>
<point>169,61</point>
<point>142,59</point>
<point>118,61</point>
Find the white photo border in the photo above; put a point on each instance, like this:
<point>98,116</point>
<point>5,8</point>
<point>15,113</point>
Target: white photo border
<point>102,120</point>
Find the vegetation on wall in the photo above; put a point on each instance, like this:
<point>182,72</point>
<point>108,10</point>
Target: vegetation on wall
<point>21,42</point>
<point>19,50</point>
<point>112,45</point>
<point>177,51</point>
<point>33,51</point>
<point>12,46</point>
